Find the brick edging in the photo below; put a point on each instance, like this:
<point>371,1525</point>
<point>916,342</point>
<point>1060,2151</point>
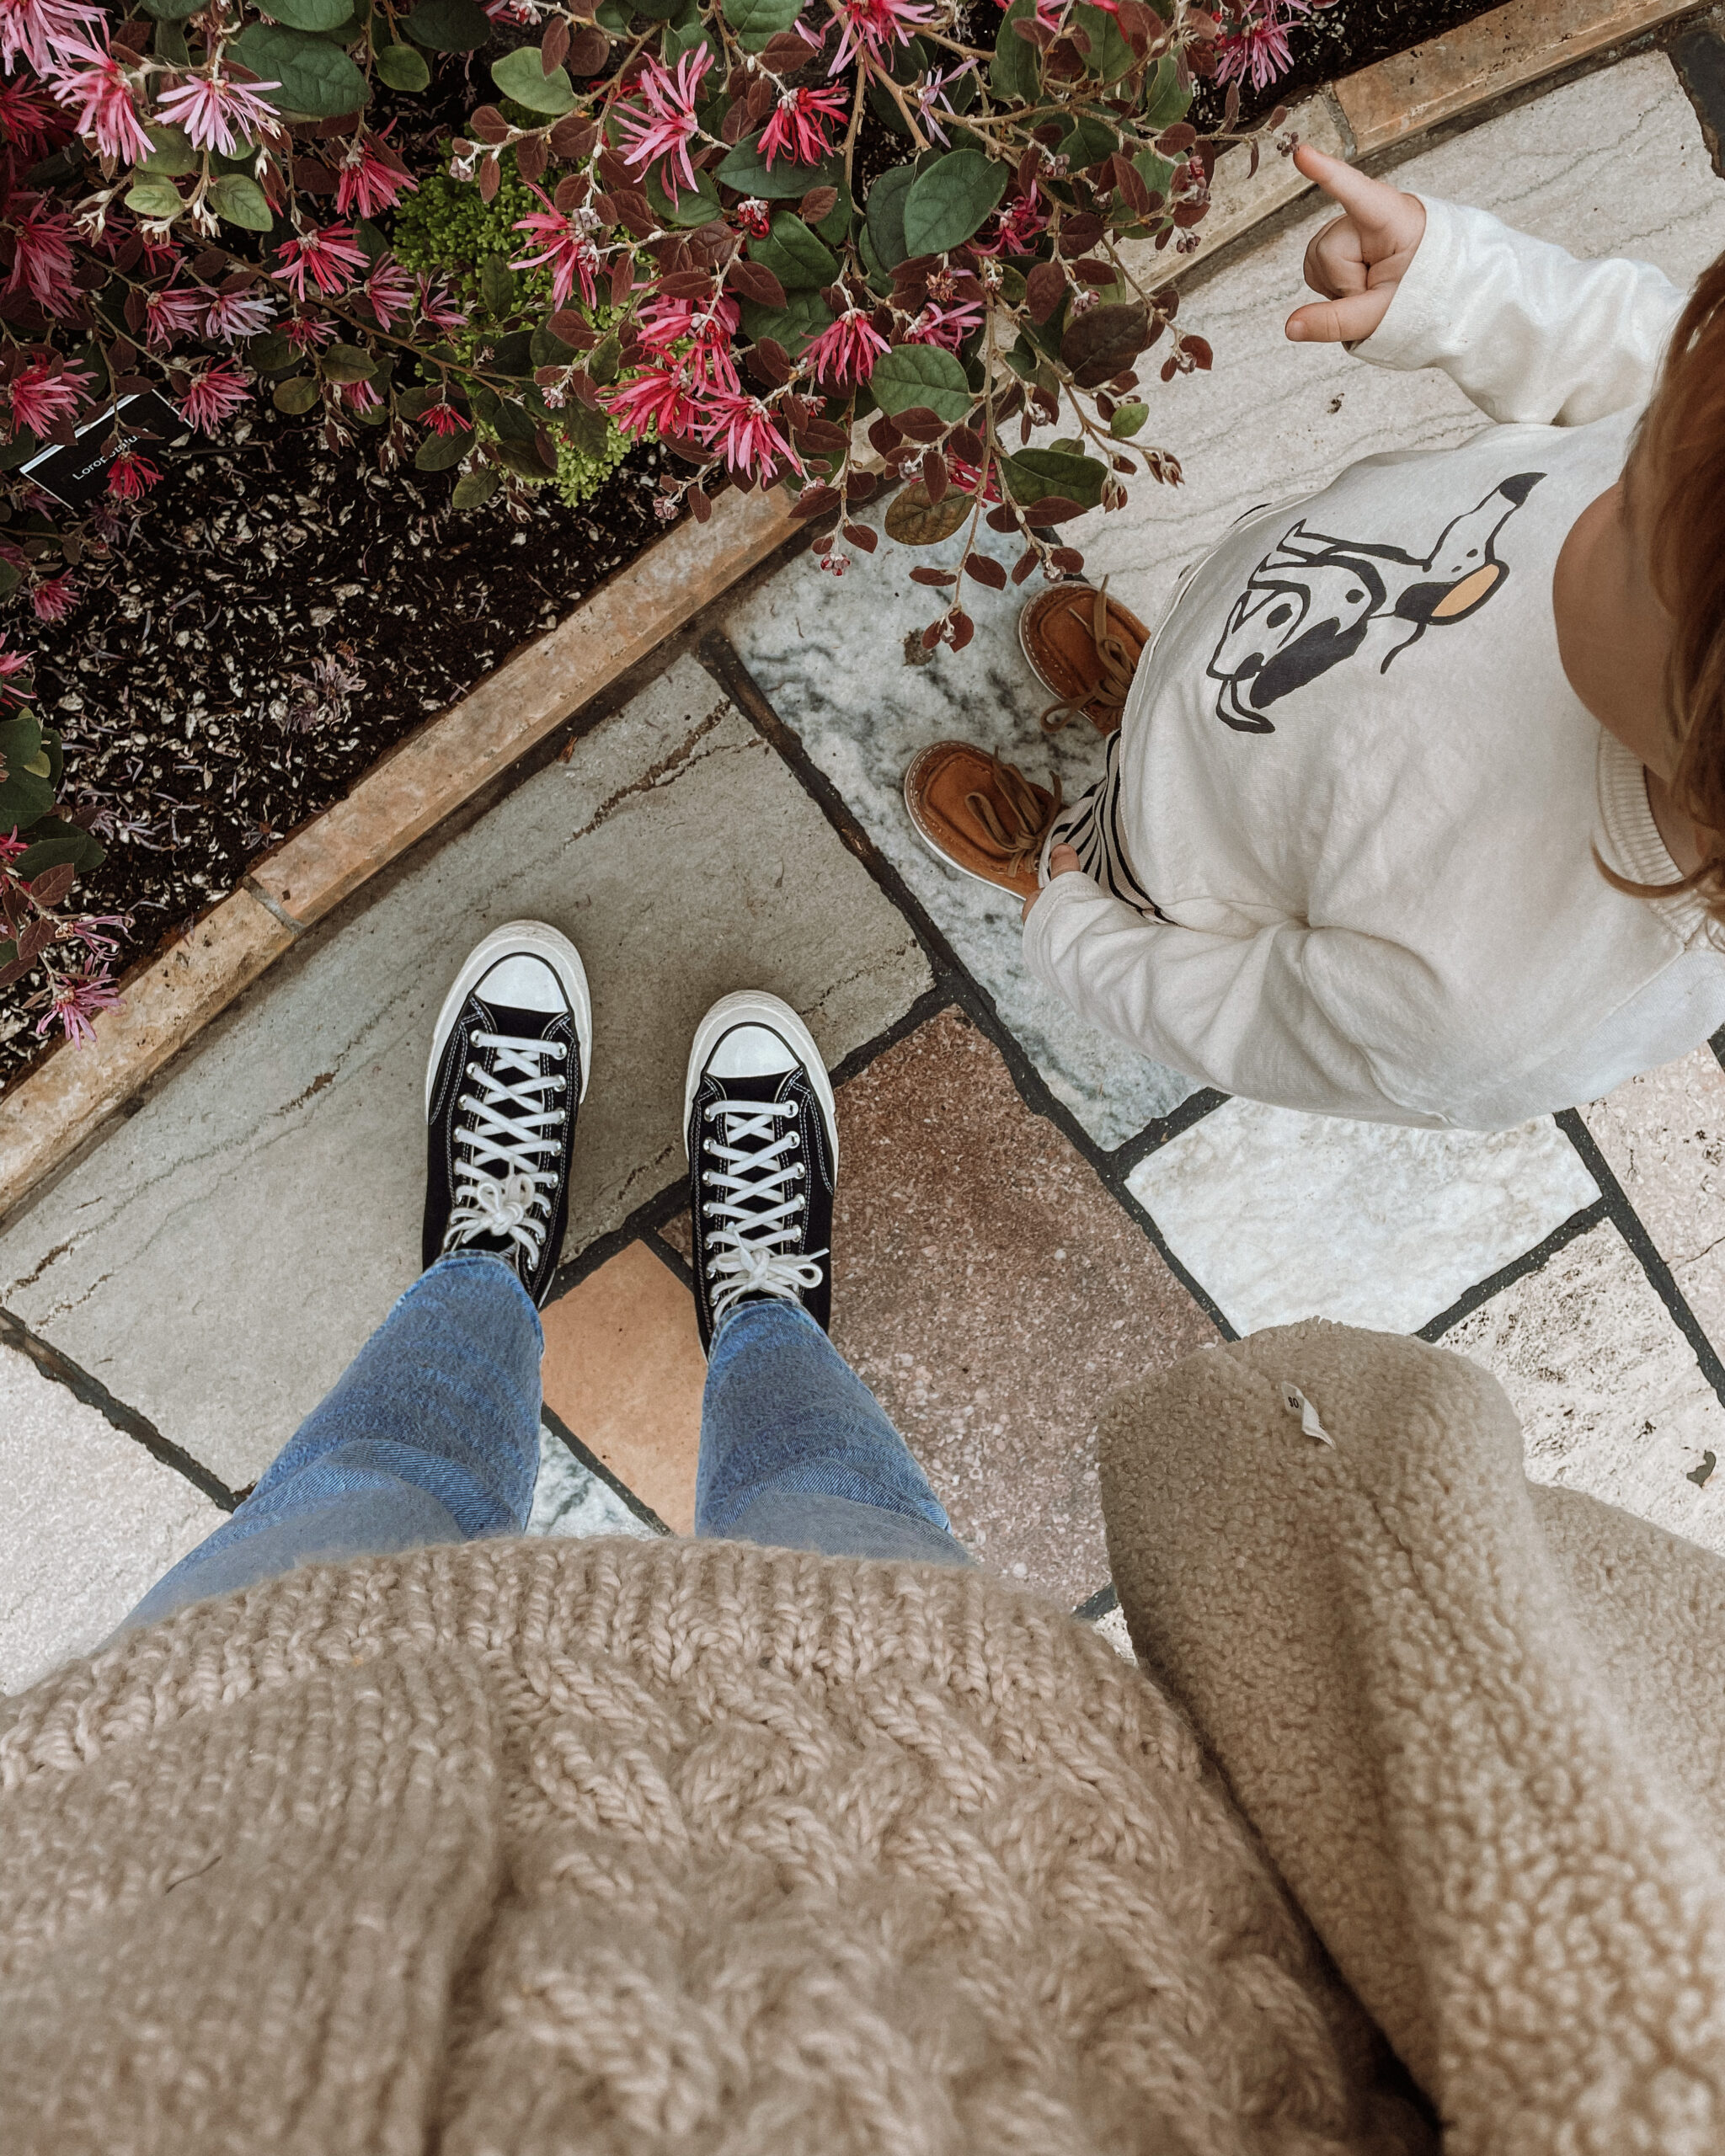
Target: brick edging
<point>47,1117</point>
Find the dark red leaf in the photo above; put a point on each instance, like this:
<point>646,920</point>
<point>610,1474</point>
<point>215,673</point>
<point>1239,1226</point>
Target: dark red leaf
<point>35,939</point>
<point>920,423</point>
<point>963,628</point>
<point>700,503</point>
<point>1044,288</point>
<point>1067,558</point>
<point>920,575</point>
<point>772,360</point>
<point>934,475</point>
<point>884,436</point>
<point>691,284</point>
<point>1078,234</point>
<point>530,157</point>
<point>570,327</point>
<point>1024,564</point>
<point>51,886</point>
<point>819,204</point>
<point>590,48</point>
<point>986,570</point>
<point>1173,140</point>
<point>932,635</point>
<point>554,45</point>
<point>1198,350</point>
<point>622,279</point>
<point>488,123</point>
<point>756,282</point>
<point>574,135</point>
<point>860,535</point>
<point>490,179</point>
<point>1052,509</point>
<point>815,501</point>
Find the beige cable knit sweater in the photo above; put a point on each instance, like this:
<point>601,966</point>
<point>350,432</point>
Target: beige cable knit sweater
<point>616,1847</point>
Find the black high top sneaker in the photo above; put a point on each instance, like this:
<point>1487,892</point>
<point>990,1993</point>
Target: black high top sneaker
<point>763,1147</point>
<point>510,1059</point>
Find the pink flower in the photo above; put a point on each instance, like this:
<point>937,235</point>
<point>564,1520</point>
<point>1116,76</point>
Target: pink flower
<point>101,98</point>
<point>359,396</point>
<point>54,597</point>
<point>799,125</point>
<point>214,395</point>
<point>38,28</point>
<point>30,122</point>
<point>309,333</point>
<point>871,28</point>
<point>173,310</point>
<point>709,325</point>
<point>43,394</point>
<point>443,419</point>
<point>754,216</point>
<point>948,326</point>
<point>87,928</point>
<point>1013,230</point>
<point>367,182</point>
<point>75,998</point>
<point>844,354</point>
<point>129,476</point>
<point>741,428</point>
<point>564,244</point>
<point>659,398</point>
<point>13,664</point>
<point>41,259</point>
<point>1258,45</point>
<point>217,113</point>
<point>390,289</point>
<point>437,306</point>
<point>330,258</point>
<point>669,125</point>
<point>234,315</point>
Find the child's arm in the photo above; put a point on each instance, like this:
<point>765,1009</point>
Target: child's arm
<point>1260,1015</point>
<point>1524,330</point>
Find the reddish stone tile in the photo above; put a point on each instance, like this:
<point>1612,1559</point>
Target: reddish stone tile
<point>623,1369</point>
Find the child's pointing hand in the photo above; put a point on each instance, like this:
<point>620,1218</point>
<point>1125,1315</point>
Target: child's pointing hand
<point>1357,259</point>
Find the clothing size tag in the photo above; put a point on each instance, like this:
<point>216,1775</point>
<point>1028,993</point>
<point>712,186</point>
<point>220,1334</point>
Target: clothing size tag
<point>1296,1403</point>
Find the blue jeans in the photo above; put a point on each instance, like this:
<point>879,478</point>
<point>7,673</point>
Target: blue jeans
<point>432,1435</point>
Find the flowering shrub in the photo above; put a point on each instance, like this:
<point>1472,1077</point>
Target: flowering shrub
<point>739,225</point>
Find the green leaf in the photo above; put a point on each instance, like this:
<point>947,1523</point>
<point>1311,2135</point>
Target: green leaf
<point>698,207</point>
<point>170,45</point>
<point>10,576</point>
<point>150,197</point>
<point>238,200</point>
<point>1155,171</point>
<point>908,61</point>
<point>886,216</point>
<point>49,853</point>
<point>25,794</point>
<point>602,361</point>
<point>173,156</point>
<point>438,452</point>
<point>268,350</point>
<point>757,21</point>
<point>311,14</point>
<point>796,325</point>
<point>1164,100</point>
<point>586,431</point>
<point>448,25</point>
<point>1015,72</point>
<point>513,355</point>
<point>402,68</point>
<point>795,255</point>
<point>172,11</point>
<point>910,375</point>
<point>348,363</point>
<point>316,78</point>
<point>512,423</point>
<point>1033,474</point>
<point>614,15</point>
<point>298,394</point>
<point>1087,141</point>
<point>522,75</point>
<point>1109,56</point>
<point>497,285</point>
<point>745,170</point>
<point>473,488</point>
<point>1127,421</point>
<point>951,200</point>
<point>835,227</point>
<point>524,460</point>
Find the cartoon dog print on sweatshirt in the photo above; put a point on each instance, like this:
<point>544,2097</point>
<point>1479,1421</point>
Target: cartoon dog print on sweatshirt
<point>1313,601</point>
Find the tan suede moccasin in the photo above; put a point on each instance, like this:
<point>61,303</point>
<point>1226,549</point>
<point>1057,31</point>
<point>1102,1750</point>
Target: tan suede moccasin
<point>1084,647</point>
<point>979,815</point>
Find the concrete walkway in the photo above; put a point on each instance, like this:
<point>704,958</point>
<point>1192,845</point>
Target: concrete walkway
<point>1028,1214</point>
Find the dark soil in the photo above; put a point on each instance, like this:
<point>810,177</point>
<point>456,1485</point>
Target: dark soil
<point>276,618</point>
<point>1334,41</point>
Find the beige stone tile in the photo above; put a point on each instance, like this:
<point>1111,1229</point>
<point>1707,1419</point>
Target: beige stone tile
<point>1663,1134</point>
<point>91,1523</point>
<point>623,1369</point>
<point>1611,1398</point>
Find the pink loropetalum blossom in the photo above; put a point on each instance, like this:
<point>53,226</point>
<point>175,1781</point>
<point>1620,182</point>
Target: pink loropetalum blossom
<point>947,326</point>
<point>743,431</point>
<point>309,333</point>
<point>390,289</point>
<point>754,217</point>
<point>217,113</point>
<point>1258,45</point>
<point>1013,228</point>
<point>173,310</point>
<point>129,476</point>
<point>213,396</point>
<point>330,258</point>
<point>54,597</point>
<point>799,125</point>
<point>931,101</point>
<point>359,396</point>
<point>844,354</point>
<point>75,998</point>
<point>41,259</point>
<point>87,928</point>
<point>13,664</point>
<point>93,84</point>
<point>234,315</point>
<point>870,29</point>
<point>668,125</point>
<point>443,419</point>
<point>31,125</point>
<point>703,327</point>
<point>43,394</point>
<point>38,28</point>
<point>657,397</point>
<point>566,244</point>
<point>438,306</point>
<point>366,181</point>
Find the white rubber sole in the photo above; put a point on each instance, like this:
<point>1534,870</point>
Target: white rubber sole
<point>543,942</point>
<point>939,852</point>
<point>753,1006</point>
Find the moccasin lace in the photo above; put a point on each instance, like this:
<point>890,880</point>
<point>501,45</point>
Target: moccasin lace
<point>1017,835</point>
<point>1115,664</point>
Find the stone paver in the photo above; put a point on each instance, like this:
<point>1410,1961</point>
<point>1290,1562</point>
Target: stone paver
<point>571,1499</point>
<point>92,1522</point>
<point>216,1262</point>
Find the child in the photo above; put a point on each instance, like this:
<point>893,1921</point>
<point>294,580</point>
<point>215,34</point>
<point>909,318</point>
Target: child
<point>1416,809</point>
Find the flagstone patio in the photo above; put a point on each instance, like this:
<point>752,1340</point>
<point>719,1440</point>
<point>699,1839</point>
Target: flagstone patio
<point>1028,1214</point>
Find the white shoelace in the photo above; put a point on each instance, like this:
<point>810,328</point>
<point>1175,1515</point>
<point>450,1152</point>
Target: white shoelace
<point>746,1259</point>
<point>509,1205</point>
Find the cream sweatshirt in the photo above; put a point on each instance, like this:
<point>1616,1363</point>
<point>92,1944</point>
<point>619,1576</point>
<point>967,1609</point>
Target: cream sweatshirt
<point>1354,778</point>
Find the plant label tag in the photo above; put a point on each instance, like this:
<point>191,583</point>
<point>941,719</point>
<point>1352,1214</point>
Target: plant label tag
<point>77,474</point>
<point>1296,1403</point>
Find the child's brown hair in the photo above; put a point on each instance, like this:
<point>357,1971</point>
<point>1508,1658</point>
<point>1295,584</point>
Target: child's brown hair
<point>1679,481</point>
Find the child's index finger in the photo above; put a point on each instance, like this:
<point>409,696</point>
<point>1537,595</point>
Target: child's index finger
<point>1372,204</point>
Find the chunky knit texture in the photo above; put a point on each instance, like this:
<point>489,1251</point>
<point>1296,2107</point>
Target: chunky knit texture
<point>1479,1725</point>
<point>612,1847</point>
